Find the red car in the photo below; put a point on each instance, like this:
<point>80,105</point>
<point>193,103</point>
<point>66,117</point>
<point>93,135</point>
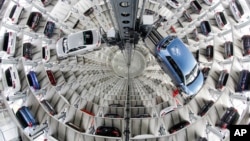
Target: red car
<point>51,77</point>
<point>108,131</point>
<point>88,112</point>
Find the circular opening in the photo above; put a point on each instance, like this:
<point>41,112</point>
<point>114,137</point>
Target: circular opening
<point>126,22</point>
<point>125,14</point>
<point>124,4</point>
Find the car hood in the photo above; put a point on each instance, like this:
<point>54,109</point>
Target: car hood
<point>59,48</point>
<point>75,40</point>
<point>196,85</point>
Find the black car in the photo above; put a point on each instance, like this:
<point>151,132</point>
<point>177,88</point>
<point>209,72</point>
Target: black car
<point>70,124</point>
<point>142,116</point>
<point>187,16</point>
<point>229,117</point>
<point>27,51</point>
<point>209,52</point>
<point>49,29</point>
<point>33,20</point>
<point>195,5</point>
<point>108,131</point>
<point>109,115</point>
<point>246,44</point>
<point>115,105</point>
<point>205,108</point>
<point>222,79</point>
<point>89,11</point>
<point>228,49</point>
<point>205,27</point>
<point>201,139</point>
<point>178,126</point>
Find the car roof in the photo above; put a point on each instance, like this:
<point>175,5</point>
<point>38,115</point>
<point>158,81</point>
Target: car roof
<point>181,55</point>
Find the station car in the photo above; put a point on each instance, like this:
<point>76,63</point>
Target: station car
<point>78,43</point>
<point>173,56</point>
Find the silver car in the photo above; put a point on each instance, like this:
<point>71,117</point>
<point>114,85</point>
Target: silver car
<point>78,43</point>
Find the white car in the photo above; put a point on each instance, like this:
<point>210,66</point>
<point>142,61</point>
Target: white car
<point>45,53</point>
<point>78,43</point>
<point>11,79</point>
<point>220,19</point>
<point>173,3</point>
<point>236,9</point>
<point>167,110</point>
<point>15,13</point>
<point>9,43</point>
<point>208,2</point>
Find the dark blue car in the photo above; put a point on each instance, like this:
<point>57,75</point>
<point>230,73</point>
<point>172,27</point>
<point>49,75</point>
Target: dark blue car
<point>205,27</point>
<point>34,80</point>
<point>25,117</point>
<point>49,29</point>
<point>179,63</point>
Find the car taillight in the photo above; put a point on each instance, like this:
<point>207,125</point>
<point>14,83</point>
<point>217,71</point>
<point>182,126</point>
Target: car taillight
<point>116,133</point>
<point>30,124</point>
<point>224,126</point>
<point>13,84</point>
<point>12,19</point>
<point>8,50</point>
<point>98,130</point>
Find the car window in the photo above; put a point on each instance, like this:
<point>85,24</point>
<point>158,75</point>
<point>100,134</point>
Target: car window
<point>5,41</point>
<point>81,47</point>
<point>192,75</point>
<point>239,7</point>
<point>73,49</point>
<point>43,52</point>
<point>167,42</point>
<point>88,37</point>
<point>65,45</point>
<point>222,16</point>
<point>176,68</point>
<point>8,77</point>
<point>12,11</point>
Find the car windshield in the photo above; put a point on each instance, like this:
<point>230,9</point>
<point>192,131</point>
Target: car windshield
<point>239,7</point>
<point>5,41</point>
<point>8,77</point>
<point>223,19</point>
<point>88,37</point>
<point>65,45</point>
<point>192,75</point>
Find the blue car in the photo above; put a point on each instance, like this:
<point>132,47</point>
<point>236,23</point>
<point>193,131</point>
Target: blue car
<point>34,80</point>
<point>179,63</point>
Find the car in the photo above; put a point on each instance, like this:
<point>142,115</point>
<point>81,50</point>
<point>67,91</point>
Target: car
<point>173,55</point>
<point>16,13</point>
<point>195,5</point>
<point>144,136</point>
<point>109,115</point>
<point>230,117</point>
<point>115,105</point>
<point>209,52</point>
<point>173,3</point>
<point>205,108</point>
<point>49,107</point>
<point>236,10</point>
<point>25,117</point>
<point>228,49</point>
<point>205,27</point>
<point>222,79</point>
<point>108,131</point>
<point>49,29</point>
<point>27,51</point>
<point>89,11</point>
<point>9,43</point>
<point>244,81</point>
<point>246,44</point>
<point>51,77</point>
<point>195,34</point>
<point>46,2</point>
<point>72,125</point>
<point>167,110</point>
<point>205,72</point>
<point>208,2</point>
<point>182,124</point>
<point>34,82</point>
<point>87,111</point>
<point>11,79</point>
<point>220,19</point>
<point>187,16</point>
<point>45,53</point>
<point>34,20</point>
<point>78,43</point>
<point>142,116</point>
